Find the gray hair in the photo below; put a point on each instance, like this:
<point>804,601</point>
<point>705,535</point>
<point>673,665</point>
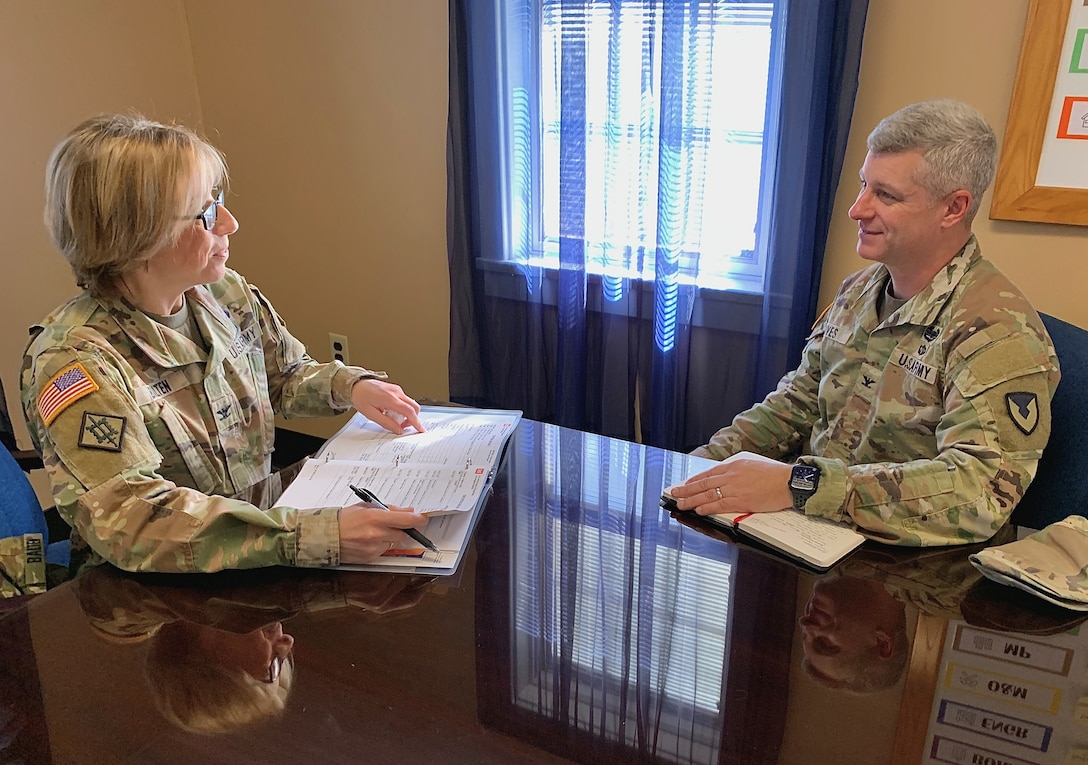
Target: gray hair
<point>118,190</point>
<point>956,142</point>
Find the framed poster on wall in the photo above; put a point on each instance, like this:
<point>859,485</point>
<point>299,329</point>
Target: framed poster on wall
<point>1043,171</point>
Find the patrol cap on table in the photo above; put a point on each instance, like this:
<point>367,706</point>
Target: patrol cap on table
<point>1051,564</point>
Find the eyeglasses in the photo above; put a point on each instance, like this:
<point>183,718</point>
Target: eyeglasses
<point>208,215</point>
<point>274,669</point>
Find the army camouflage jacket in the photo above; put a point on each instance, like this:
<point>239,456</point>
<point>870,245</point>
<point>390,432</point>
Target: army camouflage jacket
<point>927,427</point>
<point>22,565</point>
<point>145,435</point>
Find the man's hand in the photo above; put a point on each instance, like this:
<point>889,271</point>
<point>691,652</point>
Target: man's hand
<point>386,404</point>
<point>367,532</point>
<point>738,486</point>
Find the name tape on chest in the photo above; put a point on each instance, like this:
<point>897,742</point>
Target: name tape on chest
<point>245,340</point>
<point>161,388</point>
<point>836,334</point>
<point>915,366</point>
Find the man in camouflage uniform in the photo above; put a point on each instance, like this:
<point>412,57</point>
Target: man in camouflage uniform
<point>152,395</point>
<point>922,402</point>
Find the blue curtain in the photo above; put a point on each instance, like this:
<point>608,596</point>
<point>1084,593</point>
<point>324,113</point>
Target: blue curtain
<point>660,359</point>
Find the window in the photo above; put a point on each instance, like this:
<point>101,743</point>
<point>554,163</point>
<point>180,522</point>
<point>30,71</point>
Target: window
<point>630,130</point>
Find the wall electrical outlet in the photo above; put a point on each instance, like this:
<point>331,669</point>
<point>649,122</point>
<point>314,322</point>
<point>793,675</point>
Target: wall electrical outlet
<point>338,345</point>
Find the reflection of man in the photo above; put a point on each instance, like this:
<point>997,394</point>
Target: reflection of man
<point>854,635</point>
<point>854,626</point>
<point>218,657</point>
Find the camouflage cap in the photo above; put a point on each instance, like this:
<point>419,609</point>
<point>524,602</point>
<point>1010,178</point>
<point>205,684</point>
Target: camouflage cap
<point>1051,564</point>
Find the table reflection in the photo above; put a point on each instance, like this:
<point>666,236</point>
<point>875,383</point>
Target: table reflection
<point>620,619</point>
<point>610,631</point>
<point>217,657</point>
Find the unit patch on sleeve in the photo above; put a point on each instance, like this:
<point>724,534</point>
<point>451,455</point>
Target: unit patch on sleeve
<point>1024,410</point>
<point>102,431</point>
<point>68,386</point>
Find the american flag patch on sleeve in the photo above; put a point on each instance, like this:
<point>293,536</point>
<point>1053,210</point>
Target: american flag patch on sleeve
<point>68,386</point>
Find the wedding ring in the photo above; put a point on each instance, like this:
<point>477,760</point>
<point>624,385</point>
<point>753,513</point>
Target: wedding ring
<point>718,491</point>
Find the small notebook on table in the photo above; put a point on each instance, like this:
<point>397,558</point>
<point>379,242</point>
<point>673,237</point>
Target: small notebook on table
<point>819,543</point>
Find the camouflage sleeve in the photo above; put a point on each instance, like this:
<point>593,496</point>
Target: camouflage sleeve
<point>102,463</point>
<point>298,385</point>
<point>782,422</point>
<point>22,565</point>
<point>995,424</point>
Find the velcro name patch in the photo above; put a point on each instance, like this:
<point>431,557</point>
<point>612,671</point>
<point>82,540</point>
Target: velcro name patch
<point>917,367</point>
<point>836,334</point>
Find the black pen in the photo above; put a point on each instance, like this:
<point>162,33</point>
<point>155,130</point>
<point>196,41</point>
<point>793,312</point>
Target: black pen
<point>368,496</point>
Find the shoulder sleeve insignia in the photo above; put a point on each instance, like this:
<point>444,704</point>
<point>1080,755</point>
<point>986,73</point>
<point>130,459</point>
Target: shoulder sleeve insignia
<point>1024,410</point>
<point>68,386</point>
<point>102,431</point>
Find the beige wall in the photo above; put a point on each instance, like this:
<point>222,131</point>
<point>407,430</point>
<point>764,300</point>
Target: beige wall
<point>333,120</point>
<point>62,61</point>
<point>332,115</point>
<point>919,49</point>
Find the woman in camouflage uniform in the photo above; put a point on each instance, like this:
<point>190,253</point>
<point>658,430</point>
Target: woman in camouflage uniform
<point>152,394</point>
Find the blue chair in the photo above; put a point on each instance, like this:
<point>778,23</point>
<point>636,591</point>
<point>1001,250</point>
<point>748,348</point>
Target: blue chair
<point>20,511</point>
<point>1060,487</point>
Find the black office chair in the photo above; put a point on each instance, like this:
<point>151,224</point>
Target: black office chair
<point>1060,487</point>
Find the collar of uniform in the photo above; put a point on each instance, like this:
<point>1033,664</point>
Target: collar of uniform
<point>863,305</point>
<point>923,308</point>
<point>214,318</point>
<point>163,346</point>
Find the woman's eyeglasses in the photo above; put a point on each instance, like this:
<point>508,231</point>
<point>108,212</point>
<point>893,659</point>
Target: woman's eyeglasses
<point>208,215</point>
<point>277,661</point>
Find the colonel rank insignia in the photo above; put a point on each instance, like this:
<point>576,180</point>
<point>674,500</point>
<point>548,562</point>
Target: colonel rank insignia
<point>1024,410</point>
<point>102,431</point>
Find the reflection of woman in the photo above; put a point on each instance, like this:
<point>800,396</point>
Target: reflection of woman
<point>209,680</point>
<point>152,395</point>
<point>218,657</point>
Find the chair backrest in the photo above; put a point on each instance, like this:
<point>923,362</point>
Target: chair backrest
<point>1060,487</point>
<point>20,511</point>
<point>7,433</point>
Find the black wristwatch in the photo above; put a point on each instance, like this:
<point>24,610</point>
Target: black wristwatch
<point>803,482</point>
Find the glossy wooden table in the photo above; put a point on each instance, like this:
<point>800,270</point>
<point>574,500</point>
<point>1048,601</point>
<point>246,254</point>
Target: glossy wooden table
<point>585,625</point>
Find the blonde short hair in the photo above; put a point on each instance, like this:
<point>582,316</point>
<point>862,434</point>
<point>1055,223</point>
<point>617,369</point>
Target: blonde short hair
<point>117,190</point>
<point>196,694</point>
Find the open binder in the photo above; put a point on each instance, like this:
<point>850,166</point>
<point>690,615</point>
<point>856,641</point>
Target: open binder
<point>445,473</point>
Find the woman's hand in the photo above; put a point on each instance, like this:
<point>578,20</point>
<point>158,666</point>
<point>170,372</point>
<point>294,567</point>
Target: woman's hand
<point>367,532</point>
<point>738,486</point>
<point>386,404</point>
<point>384,594</point>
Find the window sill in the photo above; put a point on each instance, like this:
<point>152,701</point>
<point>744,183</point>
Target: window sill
<point>732,309</point>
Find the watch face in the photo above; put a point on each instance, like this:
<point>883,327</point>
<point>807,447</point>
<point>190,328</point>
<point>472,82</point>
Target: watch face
<point>804,477</point>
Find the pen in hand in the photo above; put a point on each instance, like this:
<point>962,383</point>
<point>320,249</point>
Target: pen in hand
<point>368,496</point>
